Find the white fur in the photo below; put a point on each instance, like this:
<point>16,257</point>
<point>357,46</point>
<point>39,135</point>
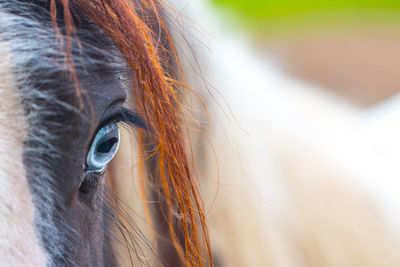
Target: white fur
<point>291,171</point>
<point>19,245</point>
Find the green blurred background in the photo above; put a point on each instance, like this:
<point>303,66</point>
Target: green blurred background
<point>267,8</point>
<point>262,10</point>
<point>350,47</point>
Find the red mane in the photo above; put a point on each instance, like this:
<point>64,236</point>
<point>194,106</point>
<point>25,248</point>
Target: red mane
<point>159,102</point>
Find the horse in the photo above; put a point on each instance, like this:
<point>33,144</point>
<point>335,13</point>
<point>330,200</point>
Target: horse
<point>73,74</point>
<point>97,170</point>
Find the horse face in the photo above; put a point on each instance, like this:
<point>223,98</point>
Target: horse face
<point>51,202</point>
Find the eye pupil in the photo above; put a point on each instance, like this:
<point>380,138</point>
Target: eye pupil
<point>106,146</point>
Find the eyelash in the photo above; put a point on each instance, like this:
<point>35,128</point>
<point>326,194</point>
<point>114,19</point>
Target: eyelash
<point>126,116</point>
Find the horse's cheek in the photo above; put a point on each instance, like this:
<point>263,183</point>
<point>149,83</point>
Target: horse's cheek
<point>18,242</point>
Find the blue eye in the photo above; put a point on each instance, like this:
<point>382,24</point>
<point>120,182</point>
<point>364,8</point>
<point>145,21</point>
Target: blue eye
<point>104,147</point>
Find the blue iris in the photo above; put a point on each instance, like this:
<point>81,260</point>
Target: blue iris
<point>104,147</point>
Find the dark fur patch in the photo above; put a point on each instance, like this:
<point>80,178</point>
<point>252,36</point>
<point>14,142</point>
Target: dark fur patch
<point>70,224</point>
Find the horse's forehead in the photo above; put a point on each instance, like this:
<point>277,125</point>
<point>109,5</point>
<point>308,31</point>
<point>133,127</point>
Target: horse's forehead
<point>18,243</point>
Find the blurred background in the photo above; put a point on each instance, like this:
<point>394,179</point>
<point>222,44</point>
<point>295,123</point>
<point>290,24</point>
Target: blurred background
<point>351,47</point>
<point>303,167</point>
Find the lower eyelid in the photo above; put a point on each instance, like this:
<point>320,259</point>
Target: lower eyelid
<point>88,170</point>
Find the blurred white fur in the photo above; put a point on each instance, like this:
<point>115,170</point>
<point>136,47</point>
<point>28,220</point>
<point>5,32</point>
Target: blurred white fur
<point>294,175</point>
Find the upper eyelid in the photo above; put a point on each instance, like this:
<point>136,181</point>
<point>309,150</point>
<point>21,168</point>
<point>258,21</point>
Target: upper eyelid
<point>127,116</point>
